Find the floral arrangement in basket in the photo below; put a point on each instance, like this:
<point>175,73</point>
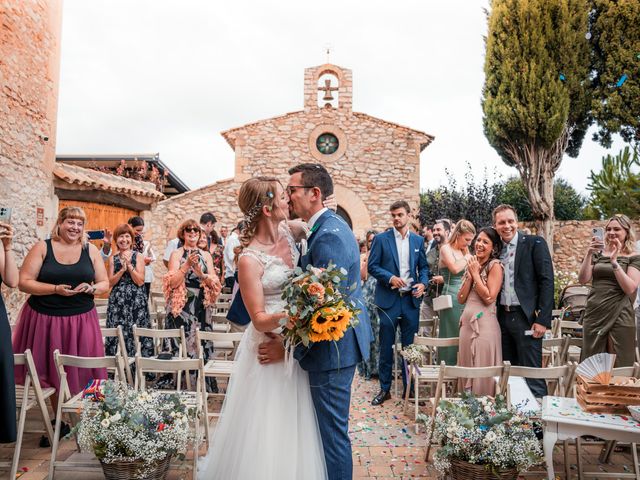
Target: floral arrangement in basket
<point>483,431</point>
<point>124,425</point>
<point>317,309</point>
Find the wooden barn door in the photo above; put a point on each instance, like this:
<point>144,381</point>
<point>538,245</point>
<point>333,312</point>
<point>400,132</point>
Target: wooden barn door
<point>101,216</point>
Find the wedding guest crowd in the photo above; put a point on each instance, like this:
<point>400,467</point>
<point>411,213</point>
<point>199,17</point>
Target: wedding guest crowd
<point>369,369</point>
<point>441,230</point>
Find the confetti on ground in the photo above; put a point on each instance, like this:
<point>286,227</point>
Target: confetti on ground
<point>562,77</point>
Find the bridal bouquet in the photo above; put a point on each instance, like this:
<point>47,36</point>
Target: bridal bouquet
<point>317,308</point>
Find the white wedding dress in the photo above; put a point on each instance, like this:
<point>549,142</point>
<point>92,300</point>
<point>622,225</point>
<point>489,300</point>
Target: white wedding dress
<point>268,428</point>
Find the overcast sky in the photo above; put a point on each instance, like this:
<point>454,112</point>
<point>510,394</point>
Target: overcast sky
<point>168,76</point>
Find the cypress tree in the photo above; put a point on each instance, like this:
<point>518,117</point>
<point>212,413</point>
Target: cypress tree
<point>536,97</point>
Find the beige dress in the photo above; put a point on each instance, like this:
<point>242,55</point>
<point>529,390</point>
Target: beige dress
<point>480,338</point>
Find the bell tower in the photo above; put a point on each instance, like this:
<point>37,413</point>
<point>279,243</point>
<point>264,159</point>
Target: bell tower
<point>327,87</point>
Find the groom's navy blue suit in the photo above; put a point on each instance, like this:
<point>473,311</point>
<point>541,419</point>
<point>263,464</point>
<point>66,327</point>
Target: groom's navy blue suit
<point>331,366</point>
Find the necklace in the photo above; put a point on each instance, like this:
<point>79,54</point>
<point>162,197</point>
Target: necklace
<point>265,244</point>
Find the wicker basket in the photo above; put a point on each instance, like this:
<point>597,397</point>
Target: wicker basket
<point>463,470</point>
<point>136,470</point>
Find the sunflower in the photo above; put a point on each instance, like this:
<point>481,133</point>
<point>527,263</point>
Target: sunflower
<point>342,318</point>
<point>319,324</point>
<point>319,337</point>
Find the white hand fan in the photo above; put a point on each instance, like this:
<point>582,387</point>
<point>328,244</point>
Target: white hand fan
<point>597,368</point>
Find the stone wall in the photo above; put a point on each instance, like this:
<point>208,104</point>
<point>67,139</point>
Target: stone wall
<point>29,71</point>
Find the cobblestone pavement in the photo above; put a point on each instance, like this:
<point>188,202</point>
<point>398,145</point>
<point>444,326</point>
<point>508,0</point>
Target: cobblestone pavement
<point>385,446</point>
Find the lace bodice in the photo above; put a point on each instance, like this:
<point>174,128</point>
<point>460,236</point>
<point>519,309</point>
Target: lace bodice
<point>276,272</point>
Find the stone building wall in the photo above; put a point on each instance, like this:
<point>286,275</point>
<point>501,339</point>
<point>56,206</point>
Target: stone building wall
<point>29,71</point>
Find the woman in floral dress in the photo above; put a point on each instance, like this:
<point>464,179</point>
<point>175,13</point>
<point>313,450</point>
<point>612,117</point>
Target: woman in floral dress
<point>189,288</point>
<point>128,299</point>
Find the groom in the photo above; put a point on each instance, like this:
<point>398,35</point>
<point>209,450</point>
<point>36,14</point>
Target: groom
<point>330,366</point>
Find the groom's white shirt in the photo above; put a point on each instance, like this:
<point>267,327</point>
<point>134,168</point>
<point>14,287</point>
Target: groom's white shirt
<point>314,218</point>
<point>312,221</point>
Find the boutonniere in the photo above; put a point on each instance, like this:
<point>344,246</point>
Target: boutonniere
<point>314,228</point>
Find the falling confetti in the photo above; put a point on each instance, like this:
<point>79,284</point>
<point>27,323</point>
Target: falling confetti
<point>588,36</point>
<point>623,79</point>
<point>562,77</point>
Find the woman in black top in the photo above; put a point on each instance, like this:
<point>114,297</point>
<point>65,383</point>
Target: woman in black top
<point>8,275</point>
<point>62,275</point>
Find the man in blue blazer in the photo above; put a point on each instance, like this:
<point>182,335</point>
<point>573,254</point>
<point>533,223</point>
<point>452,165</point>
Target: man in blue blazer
<point>397,260</point>
<point>330,365</point>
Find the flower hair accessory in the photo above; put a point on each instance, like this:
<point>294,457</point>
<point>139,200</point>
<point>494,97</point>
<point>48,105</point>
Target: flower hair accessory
<point>251,214</point>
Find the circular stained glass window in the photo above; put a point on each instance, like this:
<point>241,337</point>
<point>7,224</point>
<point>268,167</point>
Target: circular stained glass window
<point>327,143</point>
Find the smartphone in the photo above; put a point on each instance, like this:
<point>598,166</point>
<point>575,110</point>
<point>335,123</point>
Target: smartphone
<point>598,232</point>
<point>5,214</point>
<point>95,234</point>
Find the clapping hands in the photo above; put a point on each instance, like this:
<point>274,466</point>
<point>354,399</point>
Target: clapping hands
<point>473,266</point>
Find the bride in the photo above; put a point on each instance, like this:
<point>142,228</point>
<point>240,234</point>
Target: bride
<point>268,427</point>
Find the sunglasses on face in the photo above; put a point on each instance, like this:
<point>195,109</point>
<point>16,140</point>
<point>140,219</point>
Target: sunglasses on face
<point>192,230</point>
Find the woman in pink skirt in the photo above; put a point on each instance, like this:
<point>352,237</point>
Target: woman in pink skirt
<point>62,275</point>
<point>480,336</point>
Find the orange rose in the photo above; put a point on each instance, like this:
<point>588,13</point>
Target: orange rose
<point>316,289</point>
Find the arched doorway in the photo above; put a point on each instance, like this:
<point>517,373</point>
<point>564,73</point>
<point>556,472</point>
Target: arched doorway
<point>345,216</point>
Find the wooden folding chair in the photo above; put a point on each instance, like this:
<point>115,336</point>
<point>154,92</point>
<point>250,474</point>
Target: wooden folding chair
<point>427,373</point>
<point>72,404</point>
<point>121,350</point>
<point>194,399</point>
<point>572,348</point>
<point>446,372</point>
<point>215,367</point>
<point>29,395</point>
<point>219,323</point>
<point>160,339</point>
<point>552,351</point>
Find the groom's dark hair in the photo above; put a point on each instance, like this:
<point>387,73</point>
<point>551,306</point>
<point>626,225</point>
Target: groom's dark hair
<point>315,175</point>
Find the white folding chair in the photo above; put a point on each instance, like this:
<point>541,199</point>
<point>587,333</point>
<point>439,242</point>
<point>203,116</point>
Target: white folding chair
<point>121,350</point>
<point>160,339</point>
<point>500,373</point>
<point>72,404</point>
<point>28,396</point>
<point>215,367</point>
<point>427,373</point>
<point>552,351</point>
<point>572,348</point>
<point>194,399</point>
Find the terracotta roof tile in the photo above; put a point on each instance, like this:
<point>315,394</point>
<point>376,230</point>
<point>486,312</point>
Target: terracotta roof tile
<point>105,181</point>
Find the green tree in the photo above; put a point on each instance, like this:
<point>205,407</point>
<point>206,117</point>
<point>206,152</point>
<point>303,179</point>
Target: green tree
<point>536,97</point>
<point>568,203</point>
<point>474,200</point>
<point>615,36</point>
<point>616,187</point>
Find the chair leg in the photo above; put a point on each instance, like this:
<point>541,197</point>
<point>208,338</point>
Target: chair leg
<point>406,393</point>
<point>579,456</point>
<point>20,433</point>
<point>56,439</point>
<point>416,388</point>
<point>565,451</point>
<point>634,454</point>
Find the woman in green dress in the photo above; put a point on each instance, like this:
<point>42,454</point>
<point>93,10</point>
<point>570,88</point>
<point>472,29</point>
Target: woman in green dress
<point>613,267</point>
<point>453,261</point>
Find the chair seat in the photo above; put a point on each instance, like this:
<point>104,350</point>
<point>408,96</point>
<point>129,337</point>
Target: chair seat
<point>430,373</point>
<point>218,367</point>
<point>32,400</point>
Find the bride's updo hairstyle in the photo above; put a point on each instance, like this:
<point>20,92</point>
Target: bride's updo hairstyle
<point>255,194</point>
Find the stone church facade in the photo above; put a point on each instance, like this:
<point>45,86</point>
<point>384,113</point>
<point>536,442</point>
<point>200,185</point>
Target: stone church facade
<point>373,162</point>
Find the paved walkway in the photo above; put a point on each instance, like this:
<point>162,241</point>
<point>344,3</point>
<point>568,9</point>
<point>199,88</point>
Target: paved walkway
<point>384,446</point>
